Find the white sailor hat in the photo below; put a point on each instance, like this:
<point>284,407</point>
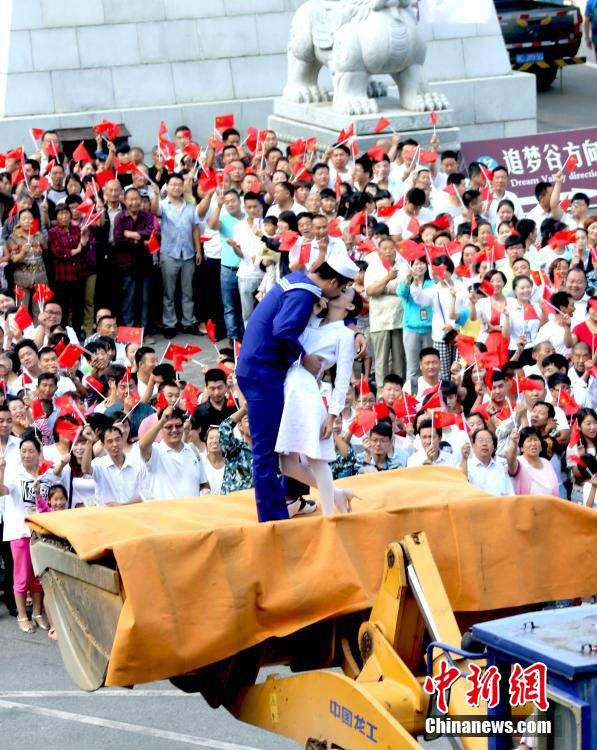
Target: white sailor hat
<point>338,260</point>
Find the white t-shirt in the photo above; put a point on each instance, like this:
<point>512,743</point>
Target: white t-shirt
<point>20,502</point>
<point>172,473</point>
<point>114,485</point>
<point>215,476</point>
<point>250,246</point>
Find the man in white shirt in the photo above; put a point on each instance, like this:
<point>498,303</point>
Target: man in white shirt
<point>499,183</point>
<point>406,222</point>
<point>338,165</point>
<point>247,246</point>
<point>480,467</point>
<point>146,360</point>
<point>542,210</point>
<point>284,200</point>
<point>430,453</point>
<point>173,467</point>
<point>576,286</point>
<point>118,476</point>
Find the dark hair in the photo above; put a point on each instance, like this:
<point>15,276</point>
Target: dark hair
<point>427,424</point>
<point>427,350</point>
<point>581,415</point>
<point>47,376</point>
<point>525,227</point>
<point>558,378</point>
<point>551,412</point>
<point>64,418</point>
<point>495,272</point>
<point>115,372</point>
<point>214,376</point>
<point>469,196</point>
<point>513,240</point>
<point>416,196</point>
<point>95,346</point>
<point>165,370</point>
<point>540,189</point>
<point>590,468</point>
<point>25,344</point>
<point>391,377</point>
<point>174,176</point>
<point>225,134</point>
<point>110,428</point>
<point>448,154</point>
<point>57,488</point>
<point>580,197</point>
<point>528,432</point>
<point>141,352</point>
<point>444,260</point>
<point>29,436</point>
<point>176,414</point>
<point>383,429</point>
<point>484,429</point>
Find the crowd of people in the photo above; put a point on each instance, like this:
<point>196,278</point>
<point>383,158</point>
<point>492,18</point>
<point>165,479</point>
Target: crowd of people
<point>459,329</point>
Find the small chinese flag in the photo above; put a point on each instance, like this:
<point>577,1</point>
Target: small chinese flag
<point>427,157</point>
<point>104,176</point>
<point>70,356</point>
<point>334,228</point>
<point>442,222</point>
<point>443,419</point>
<point>464,272</point>
<point>376,153</point>
<point>560,239</point>
<point>488,288</point>
<point>305,254</point>
<point>382,411</point>
<point>565,204</point>
<point>162,402</point>
<point>568,403</point>
<point>288,239</point>
<point>43,184</point>
<point>210,328</point>
<point>452,248</point>
<point>363,423</point>
<point>19,293</point>
<point>81,153</point>
<point>33,227</point>
<point>223,122</point>
<point>60,347</point>
<point>128,335</point>
<point>189,350</point>
<point>67,429</point>
<point>382,124</point>
<point>43,467</point>
<point>193,150</point>
<point>37,133</point>
<point>529,312</point>
<point>237,345</point>
<point>154,244</point>
<point>22,318</point>
<point>86,207</point>
<point>433,117</point>
<point>385,212</point>
<point>413,225</point>
<point>435,402</point>
<point>208,181</point>
<point>578,461</point>
<point>298,147</point>
<point>190,394</point>
<point>42,294</point>
<point>440,270</point>
<point>338,187</point>
<point>94,383</point>
<point>366,247</point>
<point>406,407</point>
<point>358,220</point>
<point>37,409</point>
<point>466,347</point>
<point>571,163</point>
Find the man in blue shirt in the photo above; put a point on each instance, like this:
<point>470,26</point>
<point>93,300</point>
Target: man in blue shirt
<point>180,252</point>
<point>224,222</point>
<point>271,345</point>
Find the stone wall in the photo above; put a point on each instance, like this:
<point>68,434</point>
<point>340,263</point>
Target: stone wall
<point>65,63</point>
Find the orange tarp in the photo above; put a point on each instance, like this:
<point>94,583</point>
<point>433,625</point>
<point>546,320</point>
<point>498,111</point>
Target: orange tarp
<point>203,580</point>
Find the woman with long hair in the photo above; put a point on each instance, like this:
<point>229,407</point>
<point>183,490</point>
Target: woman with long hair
<point>416,327</point>
<point>586,423</point>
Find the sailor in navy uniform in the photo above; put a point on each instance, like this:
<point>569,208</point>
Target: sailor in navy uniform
<point>270,346</point>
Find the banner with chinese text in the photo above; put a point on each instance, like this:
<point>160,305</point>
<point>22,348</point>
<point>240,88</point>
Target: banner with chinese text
<point>533,158</point>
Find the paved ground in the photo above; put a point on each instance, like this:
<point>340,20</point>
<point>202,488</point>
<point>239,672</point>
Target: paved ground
<point>41,708</point>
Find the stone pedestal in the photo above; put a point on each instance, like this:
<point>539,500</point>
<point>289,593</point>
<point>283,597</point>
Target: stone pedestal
<point>71,63</point>
<point>292,121</point>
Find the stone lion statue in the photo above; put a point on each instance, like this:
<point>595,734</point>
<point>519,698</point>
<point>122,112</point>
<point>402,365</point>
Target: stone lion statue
<point>355,39</point>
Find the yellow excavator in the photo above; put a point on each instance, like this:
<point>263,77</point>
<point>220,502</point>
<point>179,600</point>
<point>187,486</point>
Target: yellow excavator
<point>170,590</point>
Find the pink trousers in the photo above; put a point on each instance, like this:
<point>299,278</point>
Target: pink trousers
<point>23,579</point>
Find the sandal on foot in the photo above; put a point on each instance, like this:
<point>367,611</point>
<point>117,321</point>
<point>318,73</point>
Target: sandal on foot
<point>28,628</point>
<point>40,622</point>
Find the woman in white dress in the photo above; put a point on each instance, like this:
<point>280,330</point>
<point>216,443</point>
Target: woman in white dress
<point>303,454</point>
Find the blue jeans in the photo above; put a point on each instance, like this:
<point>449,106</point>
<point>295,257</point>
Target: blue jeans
<point>231,300</point>
<point>130,286</point>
